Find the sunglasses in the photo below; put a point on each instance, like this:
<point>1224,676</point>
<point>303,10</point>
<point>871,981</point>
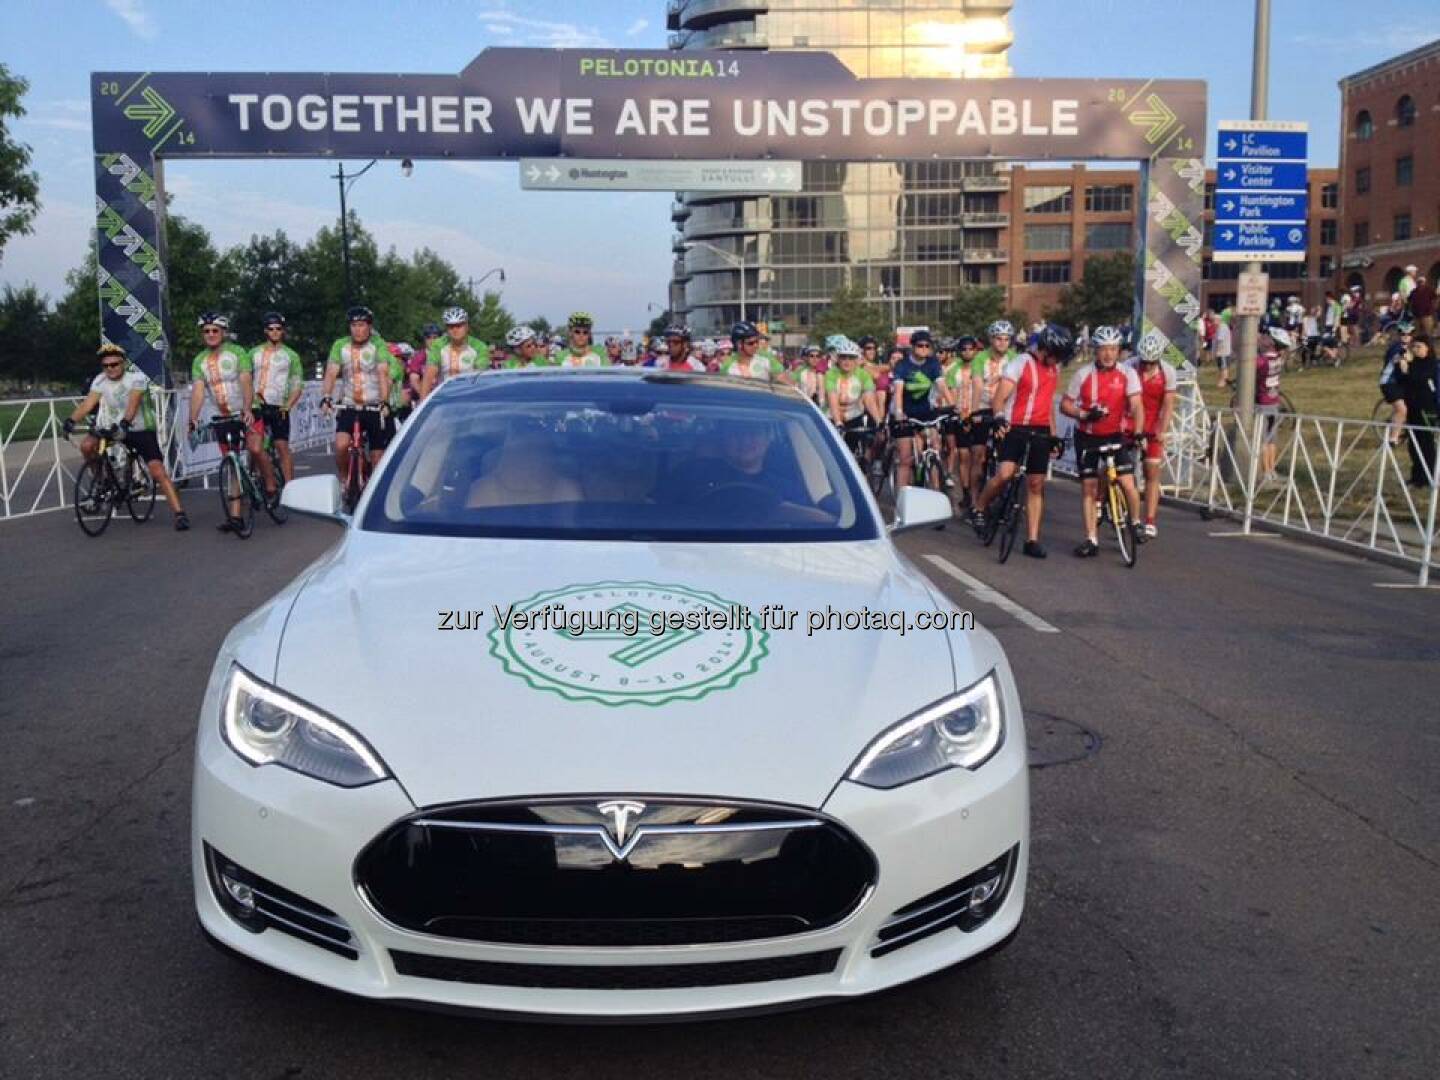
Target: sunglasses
<point>580,330</point>
<point>112,363</point>
<point>213,330</point>
<point>274,326</point>
<point>921,345</point>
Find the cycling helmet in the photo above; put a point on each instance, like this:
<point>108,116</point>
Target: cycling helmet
<point>1106,335</point>
<point>401,350</point>
<point>832,343</point>
<point>581,320</point>
<point>848,348</point>
<point>1280,337</point>
<point>707,348</point>
<point>743,331</point>
<point>867,342</point>
<point>455,316</point>
<point>214,318</point>
<point>922,337</point>
<point>1403,327</point>
<point>1152,348</point>
<point>272,318</point>
<point>1055,340</point>
<point>965,341</point>
<point>431,329</point>
<point>519,335</point>
<point>612,340</point>
<point>1000,328</point>
<point>360,313</point>
<point>678,330</point>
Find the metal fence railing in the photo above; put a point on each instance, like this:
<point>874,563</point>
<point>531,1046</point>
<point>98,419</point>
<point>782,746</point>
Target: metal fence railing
<point>38,464</point>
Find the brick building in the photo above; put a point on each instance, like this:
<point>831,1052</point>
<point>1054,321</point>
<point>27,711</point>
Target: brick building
<point>1390,171</point>
<point>1059,218</point>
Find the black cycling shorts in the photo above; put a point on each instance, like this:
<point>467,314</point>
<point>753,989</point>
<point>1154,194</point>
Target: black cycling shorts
<point>1020,445</point>
<point>230,429</point>
<point>276,420</point>
<point>369,424</point>
<point>982,423</point>
<point>1087,451</point>
<point>1391,392</point>
<point>145,445</point>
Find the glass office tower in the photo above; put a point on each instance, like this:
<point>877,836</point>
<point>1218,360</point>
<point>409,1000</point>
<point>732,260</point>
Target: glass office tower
<point>909,233</point>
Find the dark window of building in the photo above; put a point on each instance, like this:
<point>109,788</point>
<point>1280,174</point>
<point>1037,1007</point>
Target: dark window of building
<point>1107,236</point>
<point>1364,126</point>
<point>1286,271</point>
<point>1329,232</point>
<point>1405,171</point>
<point>1330,197</point>
<point>1362,180</point>
<point>1047,238</point>
<point>1360,235</point>
<point>1327,266</point>
<point>1402,226</point>
<point>1209,196</point>
<point>1053,199</point>
<point>1108,198</point>
<point>1405,111</point>
<point>1047,273</point>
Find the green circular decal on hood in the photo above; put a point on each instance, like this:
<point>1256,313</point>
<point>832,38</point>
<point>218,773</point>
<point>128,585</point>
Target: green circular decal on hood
<point>618,658</point>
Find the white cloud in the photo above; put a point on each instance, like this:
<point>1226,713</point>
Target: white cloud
<point>61,114</point>
<point>544,32</point>
<point>134,15</point>
<point>63,233</point>
<point>639,26</point>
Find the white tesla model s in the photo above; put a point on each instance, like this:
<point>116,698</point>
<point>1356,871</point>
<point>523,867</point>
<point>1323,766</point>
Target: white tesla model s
<point>552,730</point>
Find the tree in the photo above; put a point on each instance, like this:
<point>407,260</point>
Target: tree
<point>489,321</point>
<point>74,331</point>
<point>19,185</point>
<point>541,325</point>
<point>852,314</point>
<point>267,278</point>
<point>1104,294</point>
<point>658,324</point>
<point>201,279</point>
<point>972,310</point>
<point>24,335</point>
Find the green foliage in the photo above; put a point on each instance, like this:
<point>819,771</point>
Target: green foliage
<point>19,184</point>
<point>541,325</point>
<point>973,308</point>
<point>852,314</point>
<point>24,319</point>
<point>1104,294</point>
<point>658,324</point>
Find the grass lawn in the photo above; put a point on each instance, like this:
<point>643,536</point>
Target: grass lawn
<point>1349,392</point>
<point>32,420</point>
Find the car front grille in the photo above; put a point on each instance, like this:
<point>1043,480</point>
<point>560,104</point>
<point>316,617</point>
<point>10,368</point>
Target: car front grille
<point>258,904</point>
<point>958,904</point>
<point>615,976</point>
<point>551,872</point>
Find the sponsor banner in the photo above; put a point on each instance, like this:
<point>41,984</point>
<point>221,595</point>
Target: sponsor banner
<point>308,427</point>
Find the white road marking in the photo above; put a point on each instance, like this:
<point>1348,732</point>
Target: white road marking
<point>1402,585</point>
<point>987,595</point>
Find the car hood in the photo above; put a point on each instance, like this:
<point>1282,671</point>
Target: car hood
<point>485,712</point>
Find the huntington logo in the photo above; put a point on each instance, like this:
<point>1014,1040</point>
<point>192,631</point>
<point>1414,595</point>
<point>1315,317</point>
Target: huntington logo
<point>605,662</point>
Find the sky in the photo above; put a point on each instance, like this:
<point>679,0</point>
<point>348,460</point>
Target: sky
<point>608,253</point>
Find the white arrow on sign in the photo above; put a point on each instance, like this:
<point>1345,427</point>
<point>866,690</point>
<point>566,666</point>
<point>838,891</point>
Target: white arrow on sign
<point>1228,235</point>
<point>769,175</point>
<point>552,174</point>
<point>1229,174</point>
<point>1230,144</point>
<point>533,174</point>
<point>1229,205</point>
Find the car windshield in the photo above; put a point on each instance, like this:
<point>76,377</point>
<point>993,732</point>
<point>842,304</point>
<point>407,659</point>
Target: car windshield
<point>602,458</point>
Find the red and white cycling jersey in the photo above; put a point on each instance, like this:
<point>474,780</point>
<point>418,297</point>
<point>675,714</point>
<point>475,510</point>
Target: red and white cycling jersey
<point>1156,380</point>
<point>1034,398</point>
<point>1110,387</point>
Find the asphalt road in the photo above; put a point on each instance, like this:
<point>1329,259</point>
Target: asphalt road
<point>1239,882</point>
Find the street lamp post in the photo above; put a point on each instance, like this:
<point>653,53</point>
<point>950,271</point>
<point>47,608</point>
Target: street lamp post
<point>472,282</point>
<point>736,261</point>
<point>1250,324</point>
<point>346,183</point>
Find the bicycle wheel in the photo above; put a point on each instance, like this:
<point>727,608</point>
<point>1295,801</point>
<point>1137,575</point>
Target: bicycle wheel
<point>139,490</point>
<point>999,511</point>
<point>278,513</point>
<point>354,481</point>
<point>93,504</point>
<point>1124,532</point>
<point>232,493</point>
<point>1010,526</point>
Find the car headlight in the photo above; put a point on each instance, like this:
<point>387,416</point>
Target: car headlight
<point>961,731</point>
<point>265,726</point>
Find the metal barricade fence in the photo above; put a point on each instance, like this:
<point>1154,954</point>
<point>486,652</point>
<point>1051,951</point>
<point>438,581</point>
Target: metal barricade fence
<point>38,464</point>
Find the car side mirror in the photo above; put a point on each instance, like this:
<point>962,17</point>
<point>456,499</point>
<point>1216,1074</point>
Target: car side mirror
<point>917,507</point>
<point>315,496</point>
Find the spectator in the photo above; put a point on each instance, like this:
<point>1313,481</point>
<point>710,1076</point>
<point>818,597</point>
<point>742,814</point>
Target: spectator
<point>1269,364</point>
<point>1222,352</point>
<point>1392,386</point>
<point>1422,307</point>
<point>1416,378</point>
<point>1407,284</point>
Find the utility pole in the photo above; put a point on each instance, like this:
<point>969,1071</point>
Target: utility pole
<point>1250,324</point>
<point>344,235</point>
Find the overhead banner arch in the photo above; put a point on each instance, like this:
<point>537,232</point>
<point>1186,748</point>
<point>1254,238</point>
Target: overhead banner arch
<point>637,104</point>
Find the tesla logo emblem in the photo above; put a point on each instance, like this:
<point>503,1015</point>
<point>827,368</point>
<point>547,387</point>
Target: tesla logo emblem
<point>620,812</point>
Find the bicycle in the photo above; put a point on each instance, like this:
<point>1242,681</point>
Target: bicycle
<point>114,475</point>
<point>861,442</point>
<point>357,469</point>
<point>925,466</point>
<point>1004,515</point>
<point>278,513</point>
<point>240,485</point>
<point>1114,508</point>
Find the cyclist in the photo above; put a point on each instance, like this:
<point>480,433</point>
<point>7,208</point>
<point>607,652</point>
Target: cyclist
<point>614,351</point>
<point>748,362</point>
<point>456,354</point>
<point>959,442</point>
<point>677,356</point>
<point>1023,401</point>
<point>1158,395</point>
<point>766,352</point>
<point>121,394</point>
<point>279,382</point>
<point>398,401</point>
<point>854,406</point>
<point>1104,396</point>
<point>580,352</point>
<point>526,348</point>
<point>985,371</point>
<point>808,376</point>
<point>361,364</point>
<point>223,370</point>
<point>912,383</point>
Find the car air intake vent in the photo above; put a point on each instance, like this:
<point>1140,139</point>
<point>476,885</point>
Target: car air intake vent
<point>964,904</point>
<point>615,976</point>
<point>618,872</point>
<point>258,905</point>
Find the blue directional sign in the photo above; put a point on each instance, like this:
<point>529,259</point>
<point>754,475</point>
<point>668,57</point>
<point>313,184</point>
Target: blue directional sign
<point>1261,192</point>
